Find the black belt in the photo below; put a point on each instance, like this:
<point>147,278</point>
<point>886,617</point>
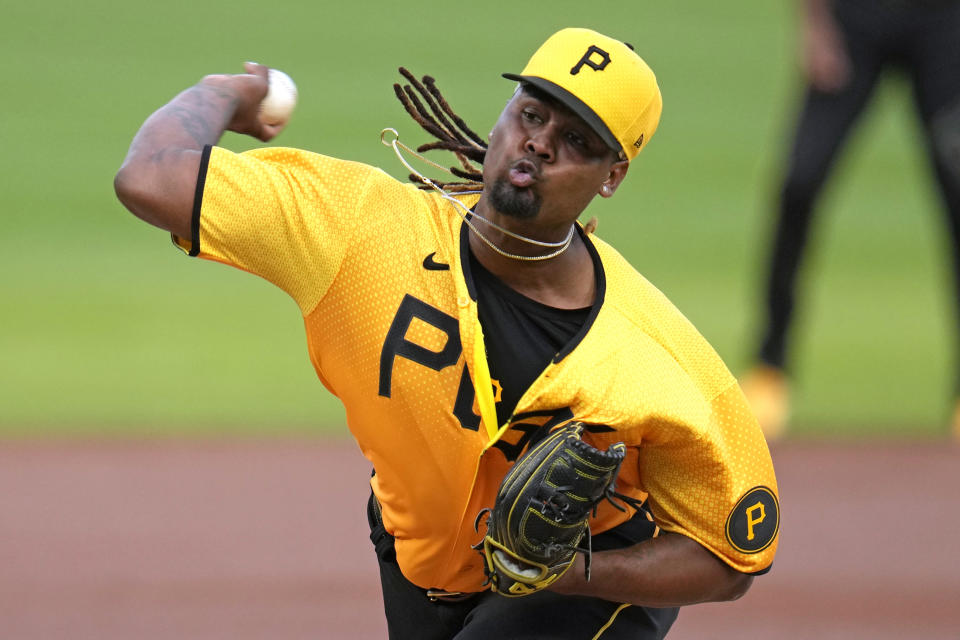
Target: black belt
<point>439,595</point>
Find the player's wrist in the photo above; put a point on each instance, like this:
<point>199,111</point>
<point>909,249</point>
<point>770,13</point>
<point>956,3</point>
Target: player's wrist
<point>573,582</point>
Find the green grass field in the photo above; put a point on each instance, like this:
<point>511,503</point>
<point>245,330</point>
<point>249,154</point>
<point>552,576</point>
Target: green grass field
<point>108,329</point>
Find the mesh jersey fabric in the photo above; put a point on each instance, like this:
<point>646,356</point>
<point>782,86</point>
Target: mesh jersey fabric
<point>400,345</point>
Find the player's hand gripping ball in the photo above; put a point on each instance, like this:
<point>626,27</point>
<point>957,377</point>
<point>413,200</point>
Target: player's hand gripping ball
<point>281,98</point>
<point>542,508</point>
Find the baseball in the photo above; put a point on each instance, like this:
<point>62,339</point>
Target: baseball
<point>281,98</point>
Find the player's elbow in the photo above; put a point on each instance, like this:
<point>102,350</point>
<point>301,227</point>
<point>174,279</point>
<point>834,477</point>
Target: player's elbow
<point>734,587</point>
<point>134,190</point>
<point>125,186</point>
<point>145,198</point>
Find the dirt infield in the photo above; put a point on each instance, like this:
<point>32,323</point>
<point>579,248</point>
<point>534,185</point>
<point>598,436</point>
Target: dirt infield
<point>268,539</point>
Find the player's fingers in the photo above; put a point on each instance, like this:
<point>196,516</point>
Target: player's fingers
<point>215,78</point>
<point>270,131</point>
<point>256,69</point>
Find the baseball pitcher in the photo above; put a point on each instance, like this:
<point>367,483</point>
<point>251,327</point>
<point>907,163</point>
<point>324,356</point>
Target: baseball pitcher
<point>557,452</point>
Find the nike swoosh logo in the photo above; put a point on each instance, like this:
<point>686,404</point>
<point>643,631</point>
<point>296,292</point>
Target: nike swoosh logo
<point>431,265</point>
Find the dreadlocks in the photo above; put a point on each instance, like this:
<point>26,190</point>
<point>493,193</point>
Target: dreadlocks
<point>451,132</point>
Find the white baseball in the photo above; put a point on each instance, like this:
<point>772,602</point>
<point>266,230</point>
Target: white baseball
<point>281,98</point>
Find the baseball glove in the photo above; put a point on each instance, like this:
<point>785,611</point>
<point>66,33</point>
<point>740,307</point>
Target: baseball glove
<point>540,514</point>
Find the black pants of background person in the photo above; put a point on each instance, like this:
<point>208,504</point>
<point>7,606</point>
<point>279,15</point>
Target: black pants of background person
<point>921,37</point>
<point>412,615</point>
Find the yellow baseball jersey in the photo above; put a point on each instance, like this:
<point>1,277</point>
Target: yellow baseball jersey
<point>375,266</point>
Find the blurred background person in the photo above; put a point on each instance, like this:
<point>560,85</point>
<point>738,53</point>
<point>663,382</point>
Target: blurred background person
<point>846,46</point>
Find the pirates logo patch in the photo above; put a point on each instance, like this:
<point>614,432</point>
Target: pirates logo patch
<point>753,523</point>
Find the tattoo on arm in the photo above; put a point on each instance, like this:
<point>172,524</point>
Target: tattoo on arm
<point>196,118</point>
<point>202,118</point>
<point>193,122</point>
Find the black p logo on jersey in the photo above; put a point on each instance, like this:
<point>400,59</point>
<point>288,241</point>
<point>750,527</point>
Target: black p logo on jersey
<point>396,343</point>
<point>753,523</point>
<point>587,59</point>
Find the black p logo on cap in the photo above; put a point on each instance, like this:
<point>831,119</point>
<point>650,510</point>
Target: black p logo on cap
<point>587,60</point>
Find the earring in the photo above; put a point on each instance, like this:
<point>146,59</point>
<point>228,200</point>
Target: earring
<point>607,190</point>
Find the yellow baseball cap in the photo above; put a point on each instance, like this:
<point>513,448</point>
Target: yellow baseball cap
<point>603,81</point>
